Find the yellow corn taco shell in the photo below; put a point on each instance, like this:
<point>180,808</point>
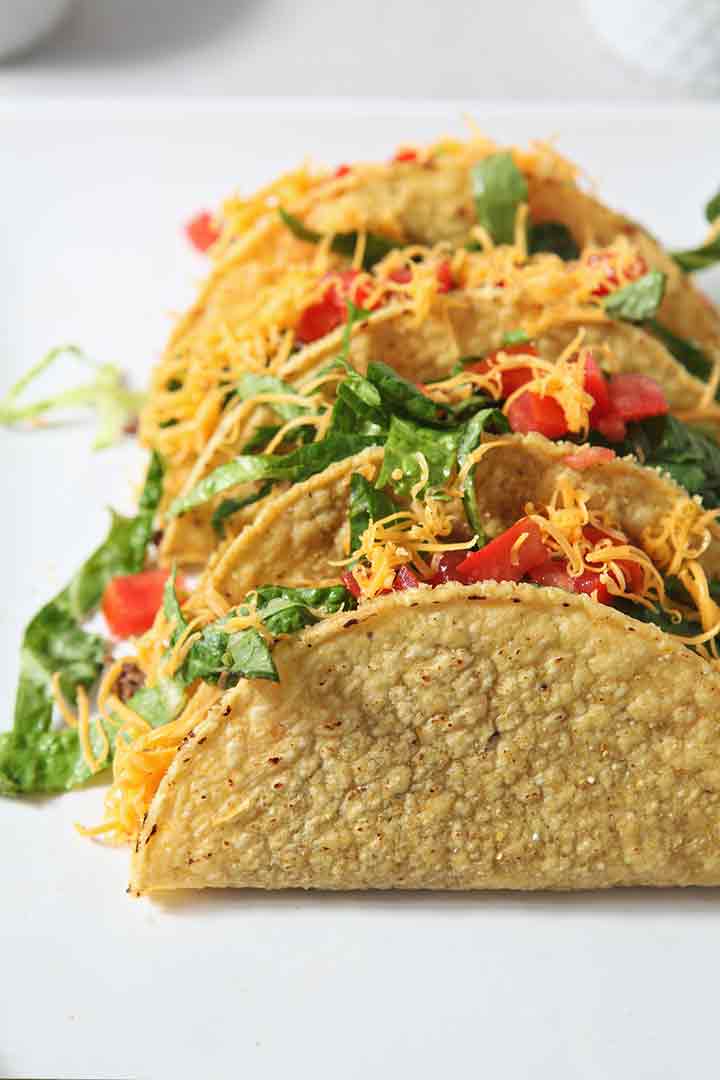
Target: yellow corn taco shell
<point>483,737</point>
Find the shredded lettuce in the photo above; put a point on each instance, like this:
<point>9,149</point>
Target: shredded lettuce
<point>376,246</point>
<point>106,394</point>
<point>639,300</point>
<point>33,756</point>
<point>498,188</point>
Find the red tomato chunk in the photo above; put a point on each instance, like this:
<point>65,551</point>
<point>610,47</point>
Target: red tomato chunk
<point>447,567</point>
<point>202,231</point>
<point>405,578</point>
<point>635,397</point>
<point>350,582</point>
<point>405,154</point>
<point>330,311</point>
<point>531,412</point>
<point>444,277</point>
<point>587,456</point>
<point>635,270</point>
<point>512,378</point>
<point>555,572</point>
<point>131,602</point>
<point>500,560</point>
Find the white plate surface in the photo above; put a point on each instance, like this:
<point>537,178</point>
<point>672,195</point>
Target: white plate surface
<point>246,984</point>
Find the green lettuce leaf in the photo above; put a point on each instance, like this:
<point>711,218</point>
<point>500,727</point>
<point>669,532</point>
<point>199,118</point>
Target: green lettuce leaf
<point>699,258</point>
<point>692,358</point>
<point>554,237</point>
<point>296,466</point>
<point>250,386</point>
<point>228,507</point>
<point>251,657</point>
<point>161,703</point>
<point>366,504</point>
<point>488,420</point>
<point>33,756</point>
<point>639,300</point>
<point>405,441</point>
<point>286,610</point>
<point>401,397</point>
<point>498,188</point>
<point>688,455</point>
<point>376,247</point>
<point>106,394</point>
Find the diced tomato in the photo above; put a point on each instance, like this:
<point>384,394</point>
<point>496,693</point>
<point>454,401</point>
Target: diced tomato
<point>357,291</point>
<point>552,572</point>
<point>633,271</point>
<point>321,318</point>
<point>405,579</point>
<point>402,275</point>
<point>404,154</point>
<point>350,582</point>
<point>201,231</point>
<point>611,427</point>
<point>635,397</point>
<point>444,277</point>
<point>531,412</point>
<point>631,397</point>
<point>342,170</point>
<point>447,567</point>
<point>497,561</point>
<point>588,456</point>
<point>131,602</point>
<point>513,378</point>
<point>596,385</point>
<point>330,311</point>
<point>589,582</point>
<point>555,572</point>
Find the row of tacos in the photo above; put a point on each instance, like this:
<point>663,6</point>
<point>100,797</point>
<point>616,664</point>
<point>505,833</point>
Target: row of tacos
<point>437,441</point>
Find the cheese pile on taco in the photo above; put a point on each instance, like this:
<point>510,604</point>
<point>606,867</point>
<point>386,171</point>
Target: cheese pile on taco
<point>428,443</point>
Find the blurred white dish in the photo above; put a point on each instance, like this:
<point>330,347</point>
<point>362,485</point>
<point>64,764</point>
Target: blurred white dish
<point>677,40</point>
<point>23,22</point>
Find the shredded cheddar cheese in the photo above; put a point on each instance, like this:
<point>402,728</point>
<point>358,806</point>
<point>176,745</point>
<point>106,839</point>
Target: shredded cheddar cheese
<point>265,277</point>
<point>142,761</point>
<point>401,538</point>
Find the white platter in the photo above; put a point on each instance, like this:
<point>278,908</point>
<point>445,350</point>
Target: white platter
<point>245,984</point>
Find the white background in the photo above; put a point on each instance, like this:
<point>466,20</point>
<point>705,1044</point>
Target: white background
<point>95,984</point>
<point>492,50</point>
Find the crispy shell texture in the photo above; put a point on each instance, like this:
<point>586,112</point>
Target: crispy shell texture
<point>485,737</point>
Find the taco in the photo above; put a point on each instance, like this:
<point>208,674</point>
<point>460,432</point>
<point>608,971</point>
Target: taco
<point>426,435</point>
<point>281,281</point>
<point>492,736</point>
<point>442,715</point>
<point>425,326</point>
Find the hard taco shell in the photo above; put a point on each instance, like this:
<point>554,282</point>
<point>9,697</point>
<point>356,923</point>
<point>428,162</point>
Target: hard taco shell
<point>483,737</point>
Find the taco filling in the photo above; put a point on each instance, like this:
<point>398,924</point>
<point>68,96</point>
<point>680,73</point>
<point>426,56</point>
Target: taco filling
<point>423,588</point>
